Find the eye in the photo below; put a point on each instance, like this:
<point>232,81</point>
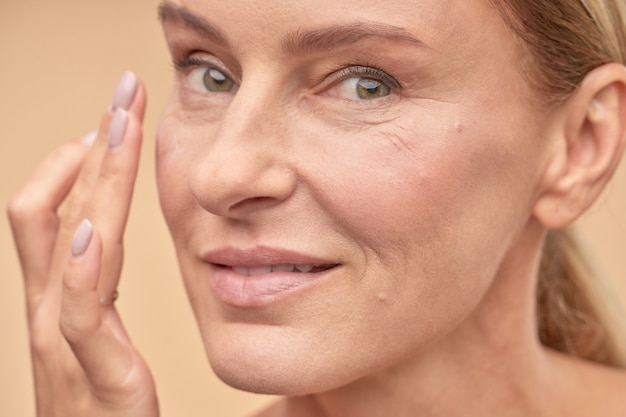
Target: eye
<point>362,83</point>
<point>210,80</point>
<point>362,89</point>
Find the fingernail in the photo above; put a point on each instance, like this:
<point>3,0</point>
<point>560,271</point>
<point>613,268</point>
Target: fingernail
<point>117,130</point>
<point>125,91</point>
<point>82,237</point>
<point>90,137</point>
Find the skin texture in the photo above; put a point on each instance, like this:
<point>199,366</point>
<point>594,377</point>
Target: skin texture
<point>280,162</point>
<point>430,203</point>
<point>434,162</point>
<point>71,332</point>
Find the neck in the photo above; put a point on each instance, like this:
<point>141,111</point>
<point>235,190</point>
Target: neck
<point>492,364</point>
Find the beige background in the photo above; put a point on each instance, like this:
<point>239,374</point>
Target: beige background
<point>60,60</point>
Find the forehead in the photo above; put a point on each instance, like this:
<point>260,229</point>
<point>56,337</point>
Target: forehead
<point>439,24</point>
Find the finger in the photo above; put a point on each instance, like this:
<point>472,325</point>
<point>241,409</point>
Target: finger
<point>111,201</point>
<point>106,358</point>
<point>124,97</point>
<point>74,207</point>
<point>32,211</point>
<point>138,105</point>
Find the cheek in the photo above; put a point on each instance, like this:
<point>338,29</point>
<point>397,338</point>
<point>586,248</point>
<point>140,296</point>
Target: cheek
<point>170,176</point>
<point>176,152</point>
<point>423,207</point>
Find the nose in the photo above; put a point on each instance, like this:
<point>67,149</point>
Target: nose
<point>244,166</point>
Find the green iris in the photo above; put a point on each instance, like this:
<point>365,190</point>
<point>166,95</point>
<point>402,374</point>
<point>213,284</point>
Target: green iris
<point>216,81</point>
<point>368,89</point>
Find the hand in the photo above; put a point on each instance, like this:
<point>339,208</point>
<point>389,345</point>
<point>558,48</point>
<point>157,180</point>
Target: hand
<point>84,363</point>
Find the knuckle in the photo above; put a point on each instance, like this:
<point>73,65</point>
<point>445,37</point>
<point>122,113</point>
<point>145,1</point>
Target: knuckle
<point>31,201</point>
<point>76,322</point>
<point>23,207</point>
<point>71,284</point>
<point>43,341</point>
<point>42,345</point>
<point>76,327</point>
<point>114,173</point>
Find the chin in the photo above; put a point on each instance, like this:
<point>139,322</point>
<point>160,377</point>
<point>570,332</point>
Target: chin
<point>267,383</point>
<point>277,366</point>
<point>269,378</point>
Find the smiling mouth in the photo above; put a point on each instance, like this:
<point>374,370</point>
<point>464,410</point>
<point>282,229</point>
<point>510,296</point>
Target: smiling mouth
<point>258,285</point>
<point>263,270</point>
<point>259,276</point>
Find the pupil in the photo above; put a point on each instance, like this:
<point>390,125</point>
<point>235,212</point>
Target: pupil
<point>217,77</point>
<point>370,86</point>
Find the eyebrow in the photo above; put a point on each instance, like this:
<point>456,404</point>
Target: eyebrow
<point>301,41</point>
<point>173,12</point>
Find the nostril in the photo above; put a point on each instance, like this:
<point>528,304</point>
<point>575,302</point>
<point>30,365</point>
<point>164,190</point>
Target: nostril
<point>236,186</point>
<point>257,202</point>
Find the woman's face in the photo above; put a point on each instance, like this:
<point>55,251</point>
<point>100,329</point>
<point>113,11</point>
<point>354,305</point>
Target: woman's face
<point>342,179</point>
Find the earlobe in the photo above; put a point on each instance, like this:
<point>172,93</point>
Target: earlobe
<point>592,141</point>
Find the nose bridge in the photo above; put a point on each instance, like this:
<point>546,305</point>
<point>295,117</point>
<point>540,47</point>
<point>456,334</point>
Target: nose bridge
<point>248,117</point>
<point>243,165</point>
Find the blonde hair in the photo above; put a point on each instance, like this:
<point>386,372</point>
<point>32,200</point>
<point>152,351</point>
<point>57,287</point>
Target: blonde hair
<point>565,40</point>
<point>574,310</point>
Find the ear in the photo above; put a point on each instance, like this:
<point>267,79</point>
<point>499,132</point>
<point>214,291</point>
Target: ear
<point>590,140</point>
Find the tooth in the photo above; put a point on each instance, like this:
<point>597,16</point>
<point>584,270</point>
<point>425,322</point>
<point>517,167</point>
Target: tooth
<point>304,268</point>
<point>241,270</point>
<point>260,270</point>
<point>283,268</point>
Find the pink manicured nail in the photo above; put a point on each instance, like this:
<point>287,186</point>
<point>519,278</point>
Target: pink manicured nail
<point>117,130</point>
<point>125,91</point>
<point>82,238</point>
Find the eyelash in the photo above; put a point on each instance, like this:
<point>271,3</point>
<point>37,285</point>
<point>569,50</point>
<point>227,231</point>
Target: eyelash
<point>365,71</point>
<point>190,61</point>
<point>342,72</point>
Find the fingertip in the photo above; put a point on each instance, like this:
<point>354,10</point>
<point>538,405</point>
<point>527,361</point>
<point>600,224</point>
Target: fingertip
<point>79,306</point>
<point>138,105</point>
<point>125,91</point>
<point>83,271</point>
<point>129,95</point>
<point>117,128</point>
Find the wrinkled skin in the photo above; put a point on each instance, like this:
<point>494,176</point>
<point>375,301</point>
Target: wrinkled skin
<point>403,191</point>
<point>385,174</point>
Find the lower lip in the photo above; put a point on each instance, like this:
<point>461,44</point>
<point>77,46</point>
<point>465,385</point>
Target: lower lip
<point>259,290</point>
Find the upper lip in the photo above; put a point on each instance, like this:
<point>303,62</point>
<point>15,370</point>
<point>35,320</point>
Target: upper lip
<point>261,256</point>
